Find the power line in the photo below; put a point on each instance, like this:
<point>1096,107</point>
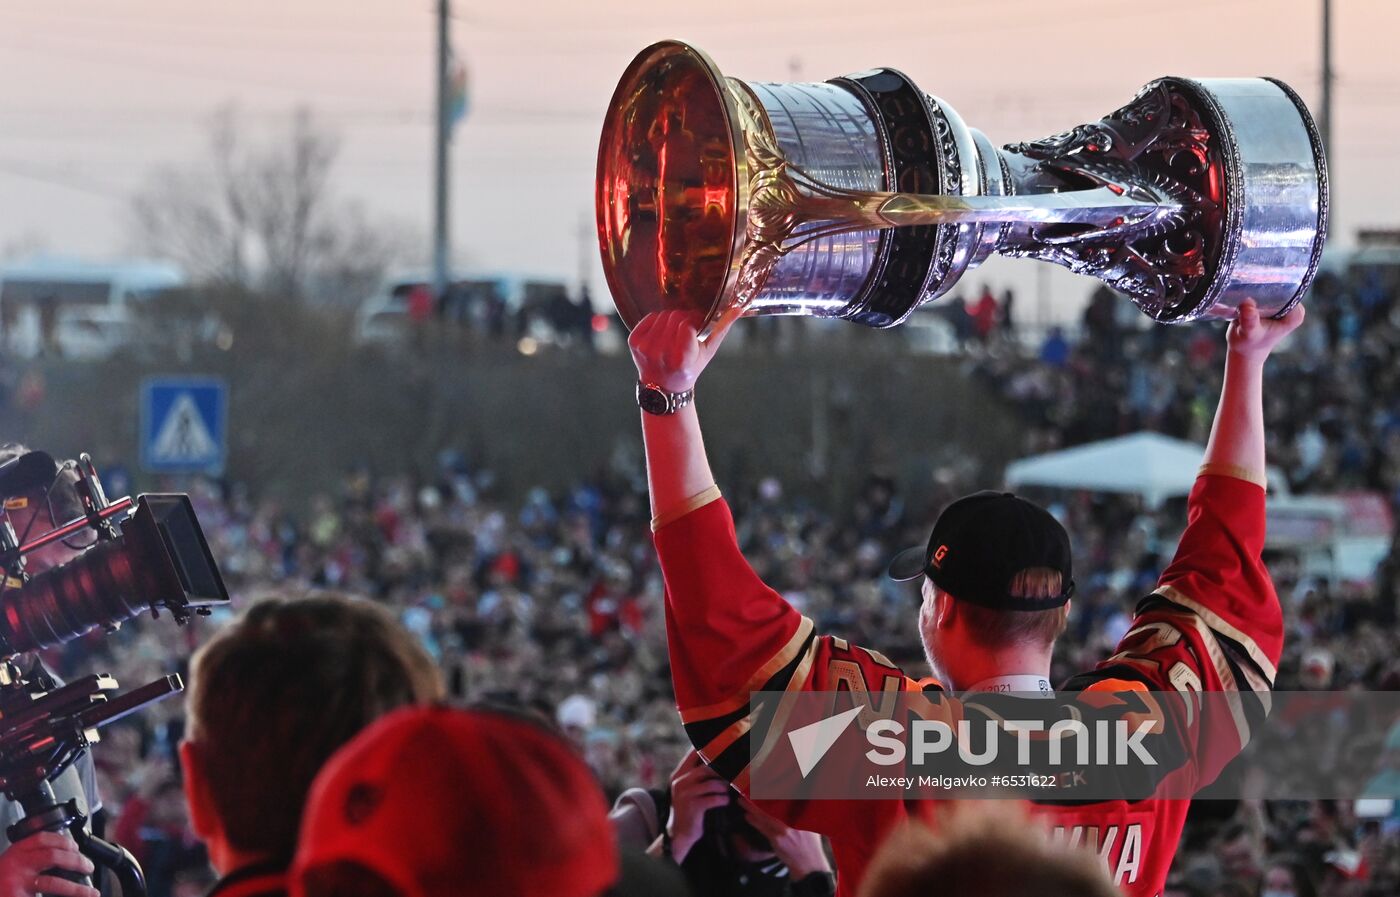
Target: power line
<point>570,32</point>
<point>319,27</point>
<point>980,27</point>
<point>261,45</point>
<point>167,70</point>
<point>939,15</point>
<point>58,178</point>
<point>198,114</point>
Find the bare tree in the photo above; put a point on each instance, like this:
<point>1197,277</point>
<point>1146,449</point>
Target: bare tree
<point>263,216</point>
<point>352,256</point>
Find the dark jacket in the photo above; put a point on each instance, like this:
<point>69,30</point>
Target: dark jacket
<point>257,880</point>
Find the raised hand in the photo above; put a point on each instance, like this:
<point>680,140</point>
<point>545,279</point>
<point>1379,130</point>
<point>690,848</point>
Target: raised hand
<point>1253,336</point>
<point>667,350</point>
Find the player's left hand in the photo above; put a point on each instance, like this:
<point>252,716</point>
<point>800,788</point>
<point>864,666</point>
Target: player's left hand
<point>1253,336</point>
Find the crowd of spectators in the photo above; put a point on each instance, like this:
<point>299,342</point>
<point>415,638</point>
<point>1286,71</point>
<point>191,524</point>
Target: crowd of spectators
<point>554,603</point>
<point>1333,409</point>
<point>545,311</point>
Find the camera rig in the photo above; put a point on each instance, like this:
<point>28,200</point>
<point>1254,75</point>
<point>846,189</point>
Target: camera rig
<point>149,554</point>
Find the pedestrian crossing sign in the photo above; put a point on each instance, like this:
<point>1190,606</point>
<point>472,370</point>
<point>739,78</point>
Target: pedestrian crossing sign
<point>184,425</point>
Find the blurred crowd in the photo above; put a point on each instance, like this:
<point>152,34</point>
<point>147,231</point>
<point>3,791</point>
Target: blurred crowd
<point>555,603</point>
<point>546,312</point>
<point>1333,409</point>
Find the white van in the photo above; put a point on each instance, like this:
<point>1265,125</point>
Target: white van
<point>73,308</point>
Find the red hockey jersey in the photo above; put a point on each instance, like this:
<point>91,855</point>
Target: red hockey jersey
<point>1213,624</point>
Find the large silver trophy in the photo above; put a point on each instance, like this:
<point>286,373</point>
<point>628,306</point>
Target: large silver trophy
<point>864,197</point>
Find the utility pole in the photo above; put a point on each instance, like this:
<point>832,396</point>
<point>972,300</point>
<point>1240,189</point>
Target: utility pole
<point>1325,124</point>
<point>440,179</point>
<point>1042,298</point>
<point>587,246</point>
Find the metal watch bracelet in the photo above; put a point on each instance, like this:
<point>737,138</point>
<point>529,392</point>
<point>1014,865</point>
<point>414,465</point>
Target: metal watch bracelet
<point>653,399</point>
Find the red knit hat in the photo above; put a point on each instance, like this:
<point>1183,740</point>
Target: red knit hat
<point>441,802</point>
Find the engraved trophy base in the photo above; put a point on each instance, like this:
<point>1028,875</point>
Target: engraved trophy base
<point>863,197</point>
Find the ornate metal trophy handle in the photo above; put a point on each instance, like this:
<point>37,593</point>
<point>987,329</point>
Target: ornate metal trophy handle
<point>789,207</point>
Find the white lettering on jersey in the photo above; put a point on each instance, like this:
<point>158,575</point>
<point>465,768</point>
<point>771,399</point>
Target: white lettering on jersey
<point>1130,857</point>
<point>1126,865</point>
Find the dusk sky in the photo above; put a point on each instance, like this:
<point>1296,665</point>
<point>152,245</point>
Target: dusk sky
<point>95,94</point>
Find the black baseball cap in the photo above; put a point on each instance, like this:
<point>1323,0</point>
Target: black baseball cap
<point>29,473</point>
<point>980,542</point>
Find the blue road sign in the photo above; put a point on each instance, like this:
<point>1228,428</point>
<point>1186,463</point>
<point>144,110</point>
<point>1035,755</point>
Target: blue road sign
<point>184,425</point>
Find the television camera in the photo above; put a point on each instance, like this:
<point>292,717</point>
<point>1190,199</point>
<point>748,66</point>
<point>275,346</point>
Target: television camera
<point>124,558</point>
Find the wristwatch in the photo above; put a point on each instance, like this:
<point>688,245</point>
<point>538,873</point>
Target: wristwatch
<point>654,400</point>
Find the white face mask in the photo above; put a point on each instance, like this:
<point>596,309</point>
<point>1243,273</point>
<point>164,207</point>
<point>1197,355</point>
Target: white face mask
<point>1274,892</point>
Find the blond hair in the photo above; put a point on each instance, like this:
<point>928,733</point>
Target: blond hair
<point>995,627</point>
<point>987,849</point>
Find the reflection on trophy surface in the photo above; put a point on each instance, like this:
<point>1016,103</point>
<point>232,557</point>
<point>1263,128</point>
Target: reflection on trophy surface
<point>863,197</point>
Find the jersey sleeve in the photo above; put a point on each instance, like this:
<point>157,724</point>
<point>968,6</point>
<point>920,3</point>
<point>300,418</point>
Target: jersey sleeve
<point>1218,572</point>
<point>1213,625</point>
<point>729,634</point>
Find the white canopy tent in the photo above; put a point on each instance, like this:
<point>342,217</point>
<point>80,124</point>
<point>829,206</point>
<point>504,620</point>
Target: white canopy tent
<point>1154,466</point>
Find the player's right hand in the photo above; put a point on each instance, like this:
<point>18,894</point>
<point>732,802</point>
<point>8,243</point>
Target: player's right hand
<point>24,864</point>
<point>1253,336</point>
<point>667,350</point>
<point>695,789</point>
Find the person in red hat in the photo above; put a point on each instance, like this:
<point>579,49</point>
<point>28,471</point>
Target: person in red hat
<point>996,583</point>
<point>435,802</point>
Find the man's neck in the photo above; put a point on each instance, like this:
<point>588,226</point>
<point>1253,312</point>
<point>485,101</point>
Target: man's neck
<point>1018,683</point>
<point>976,667</point>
